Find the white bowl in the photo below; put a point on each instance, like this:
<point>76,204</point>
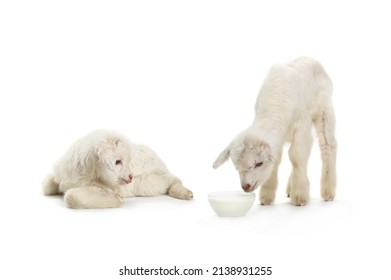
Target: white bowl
<point>231,203</point>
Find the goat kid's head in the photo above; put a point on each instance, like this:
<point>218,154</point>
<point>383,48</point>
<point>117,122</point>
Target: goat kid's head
<point>114,161</point>
<point>252,158</point>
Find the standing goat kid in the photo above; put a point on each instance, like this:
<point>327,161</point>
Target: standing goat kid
<point>293,97</point>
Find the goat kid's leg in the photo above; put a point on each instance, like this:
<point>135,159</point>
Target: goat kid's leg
<point>159,183</point>
<point>177,190</point>
<point>298,186</point>
<point>289,186</point>
<point>267,193</point>
<point>325,126</point>
<point>92,197</point>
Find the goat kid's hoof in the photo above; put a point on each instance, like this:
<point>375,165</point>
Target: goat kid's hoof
<point>184,194</point>
<point>299,200</point>
<point>266,200</point>
<point>188,195</point>
<point>328,195</point>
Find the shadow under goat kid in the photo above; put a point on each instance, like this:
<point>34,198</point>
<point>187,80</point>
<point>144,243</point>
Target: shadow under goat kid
<point>294,97</point>
<point>103,167</point>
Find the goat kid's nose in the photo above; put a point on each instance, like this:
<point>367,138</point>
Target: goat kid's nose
<point>246,187</point>
<point>127,179</point>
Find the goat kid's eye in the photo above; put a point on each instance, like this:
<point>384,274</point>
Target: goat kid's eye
<point>259,164</point>
<point>118,162</point>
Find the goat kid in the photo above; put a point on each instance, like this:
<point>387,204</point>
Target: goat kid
<point>294,97</point>
<point>103,167</point>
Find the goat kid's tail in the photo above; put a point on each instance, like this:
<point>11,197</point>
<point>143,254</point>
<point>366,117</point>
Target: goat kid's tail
<point>49,186</point>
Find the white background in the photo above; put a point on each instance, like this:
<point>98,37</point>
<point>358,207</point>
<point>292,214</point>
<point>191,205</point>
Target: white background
<point>182,77</point>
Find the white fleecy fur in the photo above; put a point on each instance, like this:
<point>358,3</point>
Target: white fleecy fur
<point>101,168</point>
<point>294,96</point>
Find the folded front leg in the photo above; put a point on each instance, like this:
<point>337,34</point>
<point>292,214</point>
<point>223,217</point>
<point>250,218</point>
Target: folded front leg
<point>92,197</point>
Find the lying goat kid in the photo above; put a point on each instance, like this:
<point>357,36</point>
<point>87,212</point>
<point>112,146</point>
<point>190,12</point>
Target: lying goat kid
<point>101,168</point>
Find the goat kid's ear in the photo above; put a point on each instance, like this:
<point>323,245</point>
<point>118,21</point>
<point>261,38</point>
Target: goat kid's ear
<point>106,152</point>
<point>223,157</point>
<point>267,150</point>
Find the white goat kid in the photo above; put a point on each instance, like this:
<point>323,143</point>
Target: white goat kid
<point>293,97</point>
<point>97,168</point>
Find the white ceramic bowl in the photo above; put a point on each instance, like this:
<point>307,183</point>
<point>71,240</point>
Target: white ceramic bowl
<point>231,203</point>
